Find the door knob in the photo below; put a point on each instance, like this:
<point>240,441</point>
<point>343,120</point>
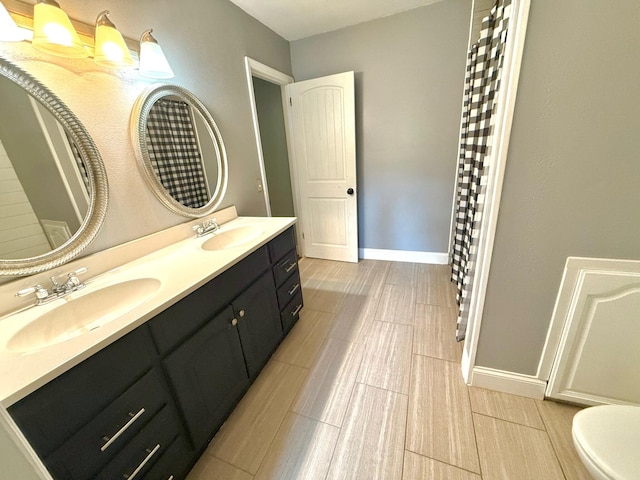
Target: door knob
<point>234,322</point>
<point>350,191</point>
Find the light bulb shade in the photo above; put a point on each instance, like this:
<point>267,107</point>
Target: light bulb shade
<point>110,49</point>
<point>153,63</point>
<point>9,31</point>
<point>53,32</point>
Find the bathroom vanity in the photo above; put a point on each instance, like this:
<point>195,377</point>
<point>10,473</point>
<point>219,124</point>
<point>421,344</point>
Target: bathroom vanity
<point>147,404</point>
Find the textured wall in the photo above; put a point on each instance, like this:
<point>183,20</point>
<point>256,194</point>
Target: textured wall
<point>205,41</point>
<point>409,71</point>
<point>572,181</point>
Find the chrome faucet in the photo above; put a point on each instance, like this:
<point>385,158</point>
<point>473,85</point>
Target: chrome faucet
<point>58,290</point>
<point>206,227</point>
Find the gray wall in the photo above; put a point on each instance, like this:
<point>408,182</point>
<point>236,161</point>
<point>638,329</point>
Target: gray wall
<point>409,72</point>
<point>274,147</point>
<point>572,182</point>
<point>205,42</point>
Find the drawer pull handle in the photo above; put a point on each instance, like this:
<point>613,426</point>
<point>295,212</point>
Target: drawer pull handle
<point>290,267</point>
<point>170,478</point>
<point>295,312</point>
<point>122,430</point>
<point>234,322</point>
<point>295,287</point>
<point>241,313</point>
<point>144,462</point>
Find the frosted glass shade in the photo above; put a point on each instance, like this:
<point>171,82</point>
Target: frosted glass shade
<point>110,50</point>
<point>53,32</point>
<point>153,63</point>
<point>9,31</point>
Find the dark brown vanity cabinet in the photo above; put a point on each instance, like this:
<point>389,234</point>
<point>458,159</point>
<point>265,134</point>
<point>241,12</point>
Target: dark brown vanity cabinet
<point>109,417</point>
<point>256,310</point>
<point>208,375</point>
<point>284,257</point>
<point>212,368</point>
<point>147,405</point>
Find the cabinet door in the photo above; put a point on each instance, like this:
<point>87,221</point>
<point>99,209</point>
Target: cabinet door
<point>258,322</point>
<point>209,376</point>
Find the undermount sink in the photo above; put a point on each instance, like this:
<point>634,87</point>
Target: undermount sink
<point>232,237</point>
<point>80,312</point>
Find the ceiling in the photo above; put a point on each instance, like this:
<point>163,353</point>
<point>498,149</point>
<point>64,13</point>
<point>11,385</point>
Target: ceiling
<point>296,19</point>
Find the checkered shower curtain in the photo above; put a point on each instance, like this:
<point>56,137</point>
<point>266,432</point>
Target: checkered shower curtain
<point>174,152</point>
<point>482,82</point>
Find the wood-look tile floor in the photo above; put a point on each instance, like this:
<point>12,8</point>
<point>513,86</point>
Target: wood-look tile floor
<point>368,386</point>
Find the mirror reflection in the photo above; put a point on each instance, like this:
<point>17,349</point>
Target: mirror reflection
<point>44,185</point>
<point>183,155</point>
<point>180,150</point>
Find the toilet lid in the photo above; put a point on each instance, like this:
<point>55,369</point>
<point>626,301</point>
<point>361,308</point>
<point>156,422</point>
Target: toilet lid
<point>610,436</point>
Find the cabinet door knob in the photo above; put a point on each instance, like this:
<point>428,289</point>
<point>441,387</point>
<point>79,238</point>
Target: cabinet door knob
<point>234,322</point>
<point>241,313</point>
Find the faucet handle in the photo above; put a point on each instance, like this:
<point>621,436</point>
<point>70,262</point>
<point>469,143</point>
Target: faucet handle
<point>79,271</point>
<point>39,290</point>
<point>73,276</point>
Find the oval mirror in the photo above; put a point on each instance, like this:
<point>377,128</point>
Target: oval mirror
<point>53,184</point>
<point>180,150</point>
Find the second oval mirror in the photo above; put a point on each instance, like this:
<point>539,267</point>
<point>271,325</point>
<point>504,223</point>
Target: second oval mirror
<point>180,149</point>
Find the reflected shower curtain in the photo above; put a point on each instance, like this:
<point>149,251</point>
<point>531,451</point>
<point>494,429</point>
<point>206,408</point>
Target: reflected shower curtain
<point>482,83</point>
<point>175,153</point>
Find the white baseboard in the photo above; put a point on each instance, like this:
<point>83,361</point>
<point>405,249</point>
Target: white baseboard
<point>508,382</point>
<point>404,256</point>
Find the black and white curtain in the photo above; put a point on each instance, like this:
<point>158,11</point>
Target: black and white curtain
<point>482,83</point>
<point>174,152</point>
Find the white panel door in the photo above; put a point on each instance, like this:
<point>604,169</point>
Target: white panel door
<point>323,128</point>
<point>598,360</point>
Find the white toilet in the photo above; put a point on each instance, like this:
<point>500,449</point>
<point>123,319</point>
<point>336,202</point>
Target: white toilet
<point>607,439</point>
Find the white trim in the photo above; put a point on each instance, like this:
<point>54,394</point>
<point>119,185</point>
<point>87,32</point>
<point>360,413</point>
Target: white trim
<point>56,159</point>
<point>504,115</point>
<point>293,166</point>
<point>256,69</point>
<point>509,382</point>
<point>404,256</point>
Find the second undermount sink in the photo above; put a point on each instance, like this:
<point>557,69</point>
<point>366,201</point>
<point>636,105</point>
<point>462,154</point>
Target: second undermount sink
<point>232,237</point>
<point>79,313</point>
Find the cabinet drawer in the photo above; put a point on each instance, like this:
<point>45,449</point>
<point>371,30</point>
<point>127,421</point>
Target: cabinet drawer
<point>290,314</point>
<point>173,463</point>
<point>53,413</point>
<point>173,326</point>
<point>285,267</point>
<point>282,244</point>
<point>95,444</point>
<point>144,450</point>
<point>289,289</point>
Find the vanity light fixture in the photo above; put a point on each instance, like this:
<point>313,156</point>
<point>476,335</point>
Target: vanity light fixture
<point>110,49</point>
<point>53,32</point>
<point>153,63</point>
<point>9,31</point>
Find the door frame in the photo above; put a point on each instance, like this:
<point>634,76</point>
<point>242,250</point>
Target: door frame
<point>497,161</point>
<point>256,69</point>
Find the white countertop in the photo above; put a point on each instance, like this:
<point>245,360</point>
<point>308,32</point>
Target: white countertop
<point>181,268</point>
